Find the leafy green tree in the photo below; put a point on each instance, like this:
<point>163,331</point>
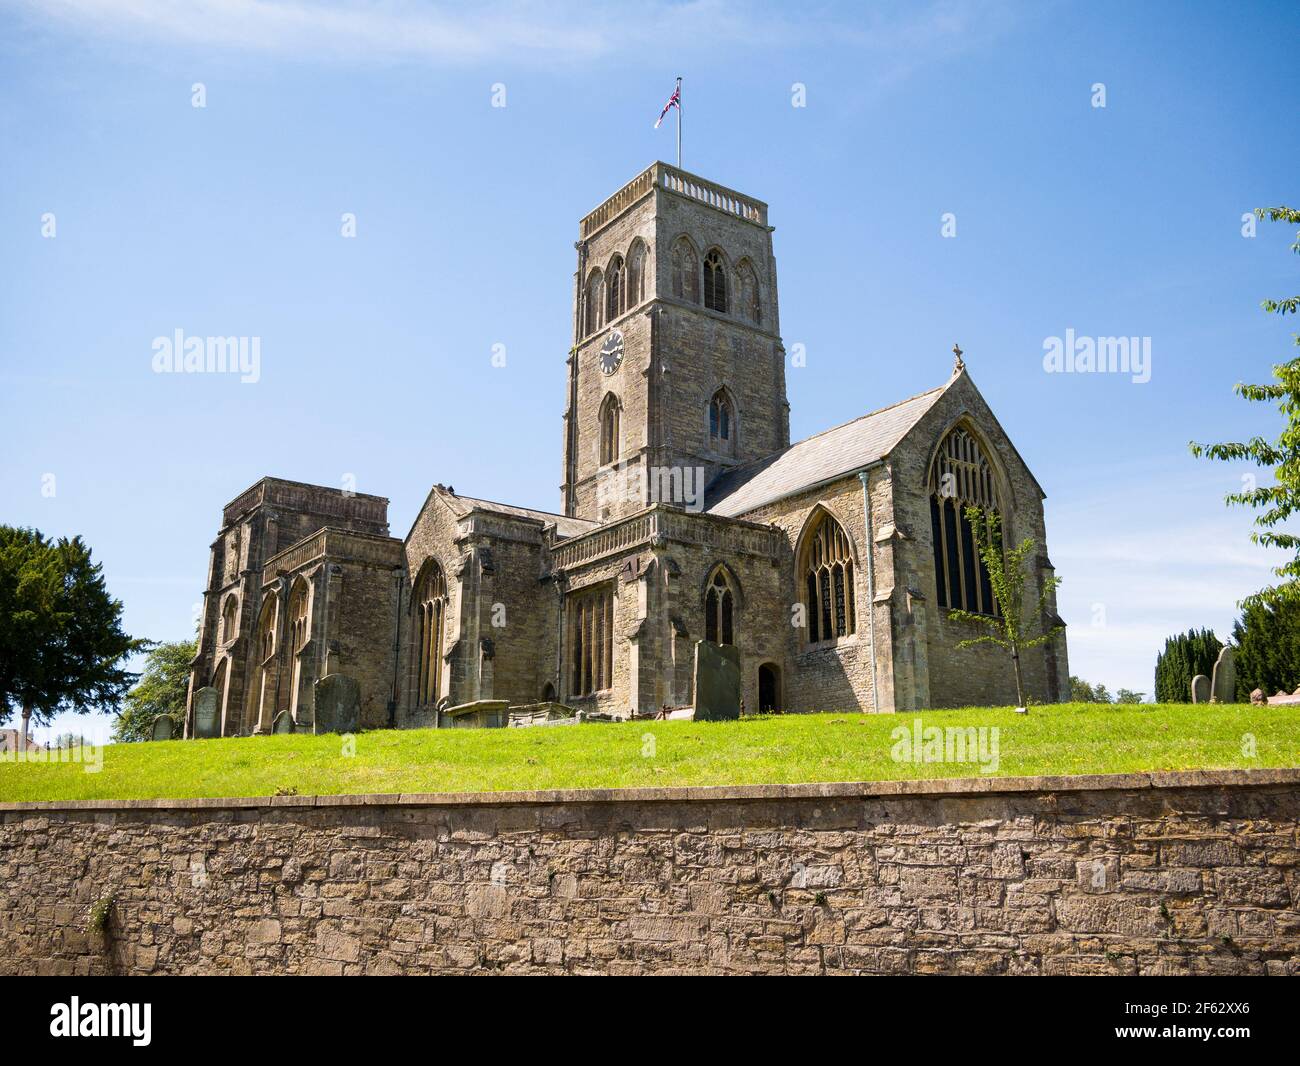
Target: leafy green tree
<point>1185,656</point>
<point>1010,629</point>
<point>62,646</point>
<point>162,688</point>
<point>1127,695</point>
<point>1280,500</point>
<point>1081,691</point>
<point>1267,636</point>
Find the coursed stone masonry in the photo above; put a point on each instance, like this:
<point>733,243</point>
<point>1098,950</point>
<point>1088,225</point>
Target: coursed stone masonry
<point>1168,873</point>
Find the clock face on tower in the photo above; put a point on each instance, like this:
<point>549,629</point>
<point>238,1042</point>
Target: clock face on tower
<point>611,352</point>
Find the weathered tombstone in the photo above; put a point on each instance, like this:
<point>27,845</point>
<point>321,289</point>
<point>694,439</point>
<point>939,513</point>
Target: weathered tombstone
<point>162,727</point>
<point>206,719</point>
<point>1223,685</point>
<point>283,723</point>
<point>1200,689</point>
<point>1258,698</point>
<point>717,681</point>
<point>338,704</point>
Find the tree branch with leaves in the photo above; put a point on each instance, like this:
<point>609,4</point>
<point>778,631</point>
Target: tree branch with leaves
<point>1281,500</point>
<point>1009,629</point>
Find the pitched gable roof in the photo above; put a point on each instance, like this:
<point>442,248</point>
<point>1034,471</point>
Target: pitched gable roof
<point>564,526</point>
<point>819,458</point>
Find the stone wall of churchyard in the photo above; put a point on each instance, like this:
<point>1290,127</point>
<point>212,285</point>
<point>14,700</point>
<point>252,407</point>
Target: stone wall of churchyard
<point>1172,873</point>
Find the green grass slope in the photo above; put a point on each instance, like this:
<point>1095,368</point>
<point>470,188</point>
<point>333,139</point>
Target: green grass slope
<point>1059,739</point>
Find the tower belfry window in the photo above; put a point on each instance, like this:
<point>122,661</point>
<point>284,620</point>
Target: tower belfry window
<point>722,423</point>
<point>609,430</point>
<point>615,294</point>
<point>686,272</point>
<point>715,282</point>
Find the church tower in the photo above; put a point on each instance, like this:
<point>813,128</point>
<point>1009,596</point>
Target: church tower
<point>677,371</point>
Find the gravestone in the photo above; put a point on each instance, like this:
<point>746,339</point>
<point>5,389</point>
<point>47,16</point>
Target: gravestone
<point>1223,683</point>
<point>162,727</point>
<point>206,718</point>
<point>338,704</point>
<point>717,682</point>
<point>283,723</point>
<point>1200,689</point>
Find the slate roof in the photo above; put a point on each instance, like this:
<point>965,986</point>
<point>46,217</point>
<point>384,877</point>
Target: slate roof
<point>817,459</point>
<point>564,526</point>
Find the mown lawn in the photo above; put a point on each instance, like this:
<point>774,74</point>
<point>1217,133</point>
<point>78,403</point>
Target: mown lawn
<point>1061,739</point>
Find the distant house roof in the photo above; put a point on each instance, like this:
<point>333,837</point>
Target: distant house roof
<point>9,741</point>
<point>817,459</point>
<point>564,526</point>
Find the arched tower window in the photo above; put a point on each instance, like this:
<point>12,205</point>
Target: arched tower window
<point>747,292</point>
<point>960,477</point>
<point>615,291</point>
<point>722,423</point>
<point>262,699</point>
<point>429,603</point>
<point>299,634</point>
<point>827,580</point>
<point>230,618</point>
<point>595,302</point>
<point>636,267</point>
<point>298,628</point>
<point>715,282</point>
<point>686,271</point>
<point>266,630</point>
<point>720,608</point>
<point>610,412</point>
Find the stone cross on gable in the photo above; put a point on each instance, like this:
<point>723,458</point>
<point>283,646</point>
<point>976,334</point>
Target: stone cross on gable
<point>958,366</point>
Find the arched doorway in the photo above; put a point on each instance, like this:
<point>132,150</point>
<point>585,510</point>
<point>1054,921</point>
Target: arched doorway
<point>769,688</point>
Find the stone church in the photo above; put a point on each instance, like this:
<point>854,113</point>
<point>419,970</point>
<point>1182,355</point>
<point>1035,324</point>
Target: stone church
<point>686,515</point>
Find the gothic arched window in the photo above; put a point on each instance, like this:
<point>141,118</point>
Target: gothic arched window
<point>715,282</point>
<point>720,608</point>
<point>961,477</point>
<point>595,302</point>
<point>262,699</point>
<point>686,271</point>
<point>609,430</point>
<point>230,618</point>
<point>429,604</point>
<point>636,267</point>
<point>298,629</point>
<point>747,292</point>
<point>827,579</point>
<point>722,423</point>
<point>590,614</point>
<point>615,296</point>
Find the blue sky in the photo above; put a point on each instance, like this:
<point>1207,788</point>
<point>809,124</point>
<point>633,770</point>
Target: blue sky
<point>376,352</point>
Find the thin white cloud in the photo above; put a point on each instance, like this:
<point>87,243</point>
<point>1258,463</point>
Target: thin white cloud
<point>900,35</point>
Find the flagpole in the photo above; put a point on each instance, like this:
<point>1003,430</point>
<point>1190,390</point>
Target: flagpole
<point>679,123</point>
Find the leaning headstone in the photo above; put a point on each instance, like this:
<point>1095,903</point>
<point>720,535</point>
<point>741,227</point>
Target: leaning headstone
<point>1200,689</point>
<point>283,723</point>
<point>1223,683</point>
<point>162,727</point>
<point>338,704</point>
<point>1258,698</point>
<point>206,719</point>
<point>717,682</point>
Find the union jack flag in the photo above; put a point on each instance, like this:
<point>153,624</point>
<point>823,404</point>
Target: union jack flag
<point>673,101</point>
